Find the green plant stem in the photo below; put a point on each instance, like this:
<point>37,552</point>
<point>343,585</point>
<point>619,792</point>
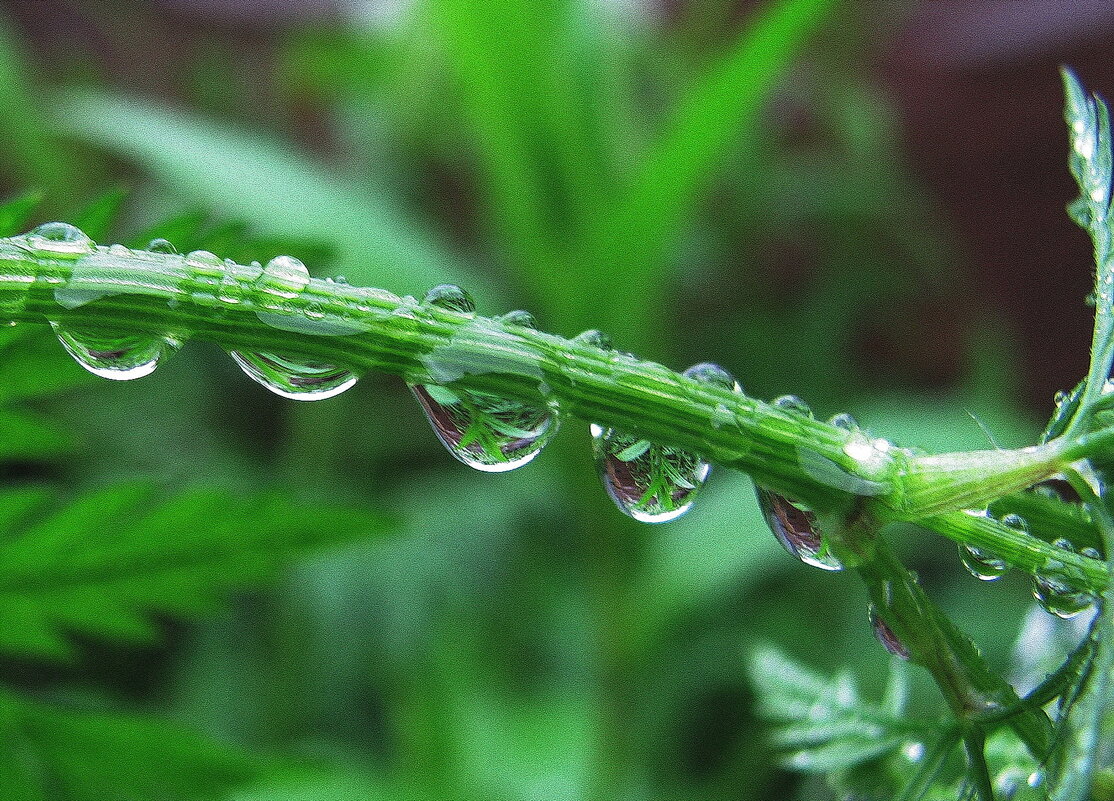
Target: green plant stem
<point>973,692</point>
<point>826,467</point>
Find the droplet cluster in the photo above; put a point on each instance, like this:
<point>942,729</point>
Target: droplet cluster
<point>649,481</point>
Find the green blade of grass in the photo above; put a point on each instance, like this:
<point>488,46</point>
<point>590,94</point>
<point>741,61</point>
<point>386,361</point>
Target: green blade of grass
<point>629,244</point>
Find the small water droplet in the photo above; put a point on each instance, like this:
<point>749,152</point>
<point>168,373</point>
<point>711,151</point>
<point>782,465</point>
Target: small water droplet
<point>885,634</point>
<point>61,239</point>
<point>595,338</point>
<point>108,355</point>
<point>981,564</point>
<point>1053,591</point>
<point>204,258</point>
<point>845,421</point>
<point>796,530</point>
<point>791,403</point>
<point>520,318</point>
<point>297,379</point>
<point>484,431</point>
<point>1091,553</point>
<point>284,277</point>
<point>119,250</point>
<point>1016,522</point>
<point>160,245</point>
<point>653,483</point>
<point>713,375</point>
<point>452,297</point>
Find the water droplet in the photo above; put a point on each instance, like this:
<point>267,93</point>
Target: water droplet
<point>845,421</point>
<point>795,528</point>
<point>284,277</point>
<point>61,239</point>
<point>452,297</point>
<point>1016,522</point>
<point>297,379</point>
<point>520,318</point>
<point>791,403</point>
<point>1091,553</point>
<point>714,375</point>
<point>885,634</point>
<point>119,250</point>
<point>1053,591</point>
<point>484,431</point>
<point>107,355</point>
<point>594,338</point>
<point>160,245</point>
<point>981,564</point>
<point>204,258</point>
<point>653,483</point>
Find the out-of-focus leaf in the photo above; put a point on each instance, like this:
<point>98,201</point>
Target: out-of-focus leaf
<point>103,562</point>
<point>630,241</point>
<point>97,217</point>
<point>27,143</point>
<point>14,213</point>
<point>825,723</point>
<point>92,756</point>
<point>280,192</point>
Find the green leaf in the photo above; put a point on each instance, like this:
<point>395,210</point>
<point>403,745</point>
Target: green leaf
<point>14,213</point>
<point>92,756</point>
<point>102,563</point>
<point>97,217</point>
<point>28,146</point>
<point>826,725</point>
<point>630,242</point>
<point>245,175</point>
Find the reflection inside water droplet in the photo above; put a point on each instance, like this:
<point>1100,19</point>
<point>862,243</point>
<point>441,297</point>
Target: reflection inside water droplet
<point>484,431</point>
<point>297,379</point>
<point>450,296</point>
<point>1053,590</point>
<point>981,564</point>
<point>113,356</point>
<point>885,634</point>
<point>60,239</point>
<point>795,528</point>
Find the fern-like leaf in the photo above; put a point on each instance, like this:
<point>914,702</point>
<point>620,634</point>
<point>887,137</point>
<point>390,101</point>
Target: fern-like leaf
<point>103,563</point>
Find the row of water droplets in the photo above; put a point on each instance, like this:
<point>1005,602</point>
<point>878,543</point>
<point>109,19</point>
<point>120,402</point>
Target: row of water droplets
<point>647,481</point>
<point>124,356</point>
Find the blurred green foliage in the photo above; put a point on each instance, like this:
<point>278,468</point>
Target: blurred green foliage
<point>466,635</point>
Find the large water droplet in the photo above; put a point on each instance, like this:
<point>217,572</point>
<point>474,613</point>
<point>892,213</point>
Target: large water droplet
<point>107,355</point>
<point>484,431</point>
<point>60,239</point>
<point>652,483</point>
<point>1053,591</point>
<point>450,296</point>
<point>885,634</point>
<point>981,564</point>
<point>284,277</point>
<point>795,528</point>
<point>297,379</point>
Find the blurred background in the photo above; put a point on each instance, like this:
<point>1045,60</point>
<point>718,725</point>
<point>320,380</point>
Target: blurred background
<point>871,218</point>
